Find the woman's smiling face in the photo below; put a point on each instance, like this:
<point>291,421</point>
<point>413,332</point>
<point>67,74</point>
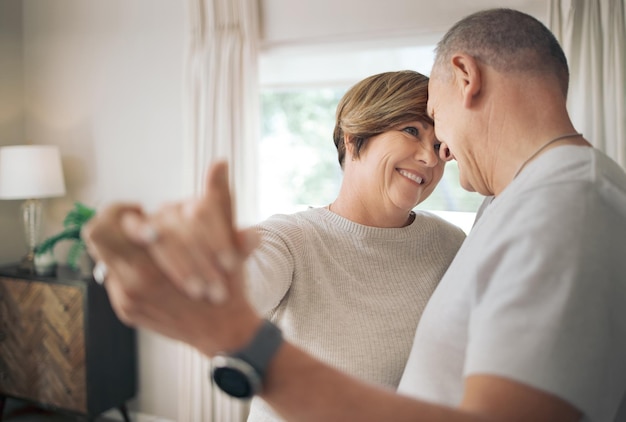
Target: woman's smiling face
<point>402,163</point>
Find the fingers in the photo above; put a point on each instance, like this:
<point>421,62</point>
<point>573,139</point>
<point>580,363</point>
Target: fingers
<point>125,261</point>
<point>216,189</point>
<point>136,227</point>
<point>217,202</point>
<point>184,250</point>
<point>193,243</point>
<point>140,291</point>
<point>103,235</point>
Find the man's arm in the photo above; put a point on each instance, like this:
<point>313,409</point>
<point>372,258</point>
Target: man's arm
<point>301,388</point>
<point>297,385</point>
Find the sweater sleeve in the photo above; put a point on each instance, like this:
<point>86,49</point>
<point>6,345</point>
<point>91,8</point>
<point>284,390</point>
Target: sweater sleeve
<point>270,269</point>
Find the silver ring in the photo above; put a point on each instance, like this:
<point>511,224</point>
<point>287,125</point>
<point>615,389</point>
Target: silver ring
<point>100,272</point>
<point>150,234</point>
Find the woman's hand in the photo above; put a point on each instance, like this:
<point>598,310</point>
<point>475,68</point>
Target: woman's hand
<point>165,268</point>
<point>194,242</point>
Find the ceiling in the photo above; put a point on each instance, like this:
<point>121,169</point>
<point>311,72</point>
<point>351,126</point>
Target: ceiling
<point>288,22</point>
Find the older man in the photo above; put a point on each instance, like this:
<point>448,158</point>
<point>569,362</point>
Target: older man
<point>529,322</point>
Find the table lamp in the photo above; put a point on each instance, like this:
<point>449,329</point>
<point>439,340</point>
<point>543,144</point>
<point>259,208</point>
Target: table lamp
<point>31,172</point>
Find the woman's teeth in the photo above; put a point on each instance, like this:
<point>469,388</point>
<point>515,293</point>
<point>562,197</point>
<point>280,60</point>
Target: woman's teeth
<point>411,176</point>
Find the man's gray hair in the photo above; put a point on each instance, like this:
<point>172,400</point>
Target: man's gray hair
<point>508,41</point>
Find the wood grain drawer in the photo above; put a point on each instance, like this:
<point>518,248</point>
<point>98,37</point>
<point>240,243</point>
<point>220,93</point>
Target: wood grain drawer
<point>42,352</point>
<point>62,346</point>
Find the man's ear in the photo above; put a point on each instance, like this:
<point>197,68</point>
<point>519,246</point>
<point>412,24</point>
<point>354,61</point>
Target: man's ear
<point>468,76</point>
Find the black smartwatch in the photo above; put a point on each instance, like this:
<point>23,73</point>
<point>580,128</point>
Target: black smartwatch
<point>240,374</point>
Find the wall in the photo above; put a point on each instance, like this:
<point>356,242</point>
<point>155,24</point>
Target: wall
<point>13,242</point>
<point>103,81</point>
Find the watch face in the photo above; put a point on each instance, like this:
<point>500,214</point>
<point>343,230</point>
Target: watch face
<point>233,382</point>
<point>241,373</point>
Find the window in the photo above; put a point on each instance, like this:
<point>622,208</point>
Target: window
<point>298,160</point>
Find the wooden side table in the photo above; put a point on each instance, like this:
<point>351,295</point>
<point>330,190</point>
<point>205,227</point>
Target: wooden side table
<point>61,345</point>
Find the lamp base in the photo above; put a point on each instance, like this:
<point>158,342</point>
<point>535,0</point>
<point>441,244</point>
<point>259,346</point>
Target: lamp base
<point>32,211</point>
<point>27,265</point>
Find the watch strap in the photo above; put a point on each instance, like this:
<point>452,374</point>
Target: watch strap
<point>262,348</point>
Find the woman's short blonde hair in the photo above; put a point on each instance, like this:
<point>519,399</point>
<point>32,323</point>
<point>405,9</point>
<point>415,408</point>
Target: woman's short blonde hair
<point>377,104</point>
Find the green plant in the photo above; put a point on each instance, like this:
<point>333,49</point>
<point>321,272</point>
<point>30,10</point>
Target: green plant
<point>73,222</point>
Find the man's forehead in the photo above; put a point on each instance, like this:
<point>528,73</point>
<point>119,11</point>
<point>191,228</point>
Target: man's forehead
<point>432,95</point>
<point>429,109</point>
<point>429,103</point>
<point>434,72</point>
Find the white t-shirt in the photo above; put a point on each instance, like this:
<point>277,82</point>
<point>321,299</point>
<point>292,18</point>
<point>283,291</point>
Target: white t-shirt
<point>537,292</point>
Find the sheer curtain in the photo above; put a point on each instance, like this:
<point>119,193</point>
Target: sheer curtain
<point>221,113</point>
<point>593,36</point>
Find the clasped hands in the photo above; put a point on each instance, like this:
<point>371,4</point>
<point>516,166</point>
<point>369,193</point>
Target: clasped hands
<point>179,271</point>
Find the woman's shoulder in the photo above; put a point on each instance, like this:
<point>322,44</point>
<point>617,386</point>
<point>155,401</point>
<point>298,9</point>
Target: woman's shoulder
<point>289,223</point>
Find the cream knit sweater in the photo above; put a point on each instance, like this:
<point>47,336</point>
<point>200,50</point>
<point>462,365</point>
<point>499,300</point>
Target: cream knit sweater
<point>349,294</point>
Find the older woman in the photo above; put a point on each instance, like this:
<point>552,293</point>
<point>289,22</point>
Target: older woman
<point>346,282</point>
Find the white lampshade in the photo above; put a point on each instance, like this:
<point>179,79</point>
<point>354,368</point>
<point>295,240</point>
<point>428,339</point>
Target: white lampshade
<point>30,172</point>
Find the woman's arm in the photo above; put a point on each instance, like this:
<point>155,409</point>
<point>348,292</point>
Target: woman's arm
<point>270,268</point>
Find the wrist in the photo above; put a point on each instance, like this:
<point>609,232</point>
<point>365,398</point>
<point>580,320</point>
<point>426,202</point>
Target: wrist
<point>241,373</point>
<point>240,333</point>
<point>222,332</point>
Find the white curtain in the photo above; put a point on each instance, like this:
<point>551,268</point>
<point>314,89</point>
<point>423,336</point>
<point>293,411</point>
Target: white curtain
<point>222,96</point>
<point>593,36</point>
<point>221,113</point>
